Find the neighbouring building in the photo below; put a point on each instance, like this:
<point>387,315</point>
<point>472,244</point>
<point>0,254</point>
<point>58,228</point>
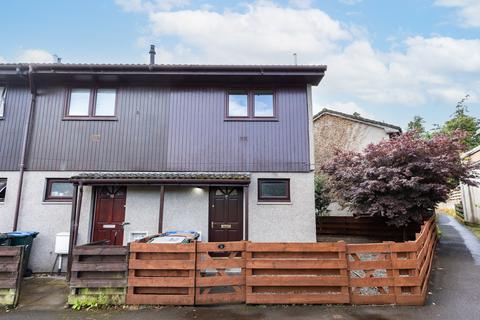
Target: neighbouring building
<point>133,150</point>
<point>470,195</point>
<point>337,130</point>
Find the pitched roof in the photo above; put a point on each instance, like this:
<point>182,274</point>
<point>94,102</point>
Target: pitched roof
<point>357,118</point>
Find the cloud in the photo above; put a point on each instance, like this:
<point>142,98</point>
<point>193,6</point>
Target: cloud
<point>2,60</point>
<point>417,71</point>
<point>302,4</point>
<point>150,5</point>
<point>412,76</point>
<point>264,32</point>
<point>35,56</point>
<point>468,11</point>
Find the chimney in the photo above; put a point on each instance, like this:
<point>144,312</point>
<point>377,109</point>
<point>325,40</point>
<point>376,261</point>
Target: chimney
<point>152,54</point>
<point>57,59</point>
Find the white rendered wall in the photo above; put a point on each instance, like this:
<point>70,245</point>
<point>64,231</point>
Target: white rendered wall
<point>186,208</point>
<point>142,211</point>
<point>284,222</point>
<point>48,218</point>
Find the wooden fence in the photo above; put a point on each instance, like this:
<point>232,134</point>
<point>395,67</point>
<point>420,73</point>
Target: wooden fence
<point>362,226</point>
<point>11,259</point>
<point>161,274</point>
<point>98,274</point>
<point>286,273</point>
<point>282,273</point>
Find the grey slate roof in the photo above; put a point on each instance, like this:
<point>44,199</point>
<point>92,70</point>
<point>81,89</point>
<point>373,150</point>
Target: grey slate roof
<point>356,118</point>
<point>163,176</point>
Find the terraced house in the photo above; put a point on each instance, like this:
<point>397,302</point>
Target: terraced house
<point>119,152</point>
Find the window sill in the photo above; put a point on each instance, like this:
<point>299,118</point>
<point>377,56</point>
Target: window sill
<point>90,119</point>
<point>253,119</point>
<point>276,203</point>
<point>56,202</point>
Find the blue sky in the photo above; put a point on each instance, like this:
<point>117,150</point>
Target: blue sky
<point>389,60</point>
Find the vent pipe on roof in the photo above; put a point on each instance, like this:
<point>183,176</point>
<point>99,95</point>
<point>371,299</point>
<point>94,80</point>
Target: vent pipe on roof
<point>152,54</point>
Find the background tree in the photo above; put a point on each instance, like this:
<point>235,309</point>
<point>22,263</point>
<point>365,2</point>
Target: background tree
<point>417,124</point>
<point>461,120</point>
<point>322,199</point>
<point>402,179</point>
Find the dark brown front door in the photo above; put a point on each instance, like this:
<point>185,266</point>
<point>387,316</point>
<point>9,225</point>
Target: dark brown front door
<point>226,214</point>
<point>109,214</point>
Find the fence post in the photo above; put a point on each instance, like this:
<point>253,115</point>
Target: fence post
<point>346,271</point>
<point>392,273</point>
<point>248,271</point>
<point>195,257</point>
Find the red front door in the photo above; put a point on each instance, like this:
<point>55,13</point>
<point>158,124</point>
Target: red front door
<point>109,214</point>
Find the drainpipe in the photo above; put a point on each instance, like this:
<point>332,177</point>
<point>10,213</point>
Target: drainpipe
<point>26,133</point>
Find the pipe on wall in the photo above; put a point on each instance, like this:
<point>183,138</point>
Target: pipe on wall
<point>26,134</point>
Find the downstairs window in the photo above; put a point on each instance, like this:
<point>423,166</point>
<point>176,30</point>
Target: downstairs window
<point>273,190</point>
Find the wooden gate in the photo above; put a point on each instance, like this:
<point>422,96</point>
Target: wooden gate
<point>220,273</point>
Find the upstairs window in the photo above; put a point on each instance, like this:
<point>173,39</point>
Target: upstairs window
<point>79,102</point>
<point>58,190</point>
<point>273,190</point>
<point>251,105</point>
<point>238,104</point>
<point>3,189</point>
<point>3,98</point>
<point>91,103</point>
<point>263,104</point>
<point>105,102</point>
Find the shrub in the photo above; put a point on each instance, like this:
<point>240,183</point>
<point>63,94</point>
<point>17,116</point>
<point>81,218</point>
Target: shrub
<point>402,179</point>
<point>322,199</point>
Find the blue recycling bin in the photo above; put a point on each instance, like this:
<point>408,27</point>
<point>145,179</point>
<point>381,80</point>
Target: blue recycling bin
<point>23,238</point>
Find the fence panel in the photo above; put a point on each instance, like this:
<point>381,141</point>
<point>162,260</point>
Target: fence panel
<point>220,273</point>
<point>98,274</point>
<point>413,262</point>
<point>161,274</point>
<point>371,275</point>
<point>296,273</point>
<point>10,274</point>
<point>362,226</point>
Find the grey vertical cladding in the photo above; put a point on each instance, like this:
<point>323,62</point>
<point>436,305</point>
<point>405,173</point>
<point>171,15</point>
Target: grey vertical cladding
<point>12,127</point>
<point>170,129</point>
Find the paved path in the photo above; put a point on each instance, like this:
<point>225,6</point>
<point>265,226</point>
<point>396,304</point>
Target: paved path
<point>454,286</point>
